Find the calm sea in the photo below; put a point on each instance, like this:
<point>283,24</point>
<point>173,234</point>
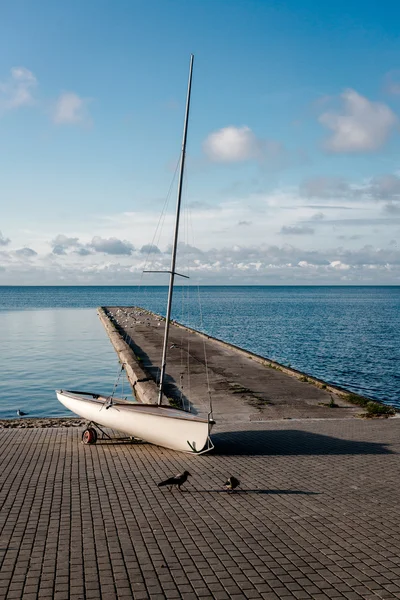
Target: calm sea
<point>50,337</point>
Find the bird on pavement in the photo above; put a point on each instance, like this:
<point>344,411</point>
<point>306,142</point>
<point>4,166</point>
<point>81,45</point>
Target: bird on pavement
<point>231,484</point>
<point>21,413</point>
<point>177,480</point>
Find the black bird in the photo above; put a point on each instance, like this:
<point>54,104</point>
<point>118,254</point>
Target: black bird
<point>231,484</point>
<point>177,480</point>
<point>21,413</point>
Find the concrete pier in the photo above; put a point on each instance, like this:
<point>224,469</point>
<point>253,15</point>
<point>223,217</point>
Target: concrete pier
<point>244,387</point>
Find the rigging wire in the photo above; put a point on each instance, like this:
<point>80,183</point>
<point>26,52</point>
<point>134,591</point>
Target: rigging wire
<point>148,262</point>
<point>202,329</point>
<point>186,297</point>
<point>181,345</point>
<point>111,396</point>
<point>160,223</point>
<point>126,337</point>
<point>186,287</point>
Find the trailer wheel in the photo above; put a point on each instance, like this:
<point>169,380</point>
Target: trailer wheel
<point>89,436</point>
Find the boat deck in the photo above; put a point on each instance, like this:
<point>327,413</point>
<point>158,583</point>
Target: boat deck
<point>126,405</point>
<point>243,386</point>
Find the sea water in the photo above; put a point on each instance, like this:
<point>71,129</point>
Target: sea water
<point>51,337</point>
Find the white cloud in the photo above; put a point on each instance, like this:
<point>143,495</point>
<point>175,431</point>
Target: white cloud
<point>232,144</point>
<point>60,250</point>
<point>297,230</point>
<point>71,109</point>
<point>381,188</point>
<point>83,252</point>
<point>317,216</point>
<point>337,264</point>
<point>111,246</point>
<point>150,249</point>
<point>391,208</point>
<point>3,240</point>
<point>18,90</point>
<point>385,187</point>
<point>362,126</point>
<point>63,240</point>
<point>26,252</point>
<point>349,237</point>
<point>61,243</point>
<point>303,264</point>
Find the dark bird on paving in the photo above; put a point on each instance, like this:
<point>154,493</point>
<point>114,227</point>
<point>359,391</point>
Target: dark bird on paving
<point>21,413</point>
<point>177,480</point>
<point>231,484</point>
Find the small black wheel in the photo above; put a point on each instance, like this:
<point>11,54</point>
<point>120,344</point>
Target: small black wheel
<point>89,436</point>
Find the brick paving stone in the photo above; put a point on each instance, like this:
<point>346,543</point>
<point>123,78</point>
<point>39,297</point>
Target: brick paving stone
<point>90,521</point>
<point>253,594</point>
<point>300,594</point>
<point>203,592</point>
<point>11,595</point>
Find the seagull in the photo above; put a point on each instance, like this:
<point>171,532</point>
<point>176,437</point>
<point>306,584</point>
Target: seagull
<point>177,480</point>
<point>21,413</point>
<point>231,484</point>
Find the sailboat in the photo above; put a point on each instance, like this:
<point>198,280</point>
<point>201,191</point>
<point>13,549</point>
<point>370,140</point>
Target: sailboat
<point>155,423</point>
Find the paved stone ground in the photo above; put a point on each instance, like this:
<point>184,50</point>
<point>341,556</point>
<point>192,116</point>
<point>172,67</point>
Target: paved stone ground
<point>317,515</point>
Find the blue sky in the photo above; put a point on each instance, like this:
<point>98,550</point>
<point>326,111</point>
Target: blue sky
<point>293,169</point>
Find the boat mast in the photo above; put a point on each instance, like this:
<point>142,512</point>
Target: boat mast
<point>176,232</point>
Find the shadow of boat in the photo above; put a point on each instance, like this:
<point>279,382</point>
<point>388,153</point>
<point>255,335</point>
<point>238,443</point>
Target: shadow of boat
<point>290,442</point>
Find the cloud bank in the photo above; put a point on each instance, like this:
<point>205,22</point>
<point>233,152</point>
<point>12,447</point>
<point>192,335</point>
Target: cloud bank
<point>262,264</point>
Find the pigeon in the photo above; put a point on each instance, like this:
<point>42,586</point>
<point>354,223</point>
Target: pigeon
<point>177,480</point>
<point>231,484</point>
<point>21,413</point>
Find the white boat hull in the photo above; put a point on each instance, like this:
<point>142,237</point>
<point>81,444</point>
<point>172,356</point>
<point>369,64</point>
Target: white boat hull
<point>160,425</point>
